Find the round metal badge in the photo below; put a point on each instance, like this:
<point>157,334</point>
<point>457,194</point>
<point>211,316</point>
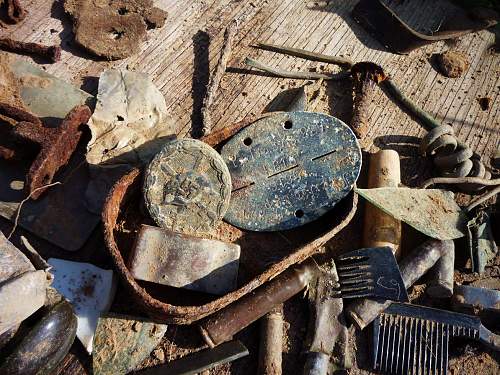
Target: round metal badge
<point>187,187</point>
<point>288,169</point>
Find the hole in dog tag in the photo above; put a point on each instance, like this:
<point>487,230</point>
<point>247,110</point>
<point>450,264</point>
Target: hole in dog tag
<point>288,169</point>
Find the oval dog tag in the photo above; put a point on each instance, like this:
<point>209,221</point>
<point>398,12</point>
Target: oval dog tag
<point>288,169</point>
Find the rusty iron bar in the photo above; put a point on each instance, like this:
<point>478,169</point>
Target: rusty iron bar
<point>56,145</point>
<point>50,53</point>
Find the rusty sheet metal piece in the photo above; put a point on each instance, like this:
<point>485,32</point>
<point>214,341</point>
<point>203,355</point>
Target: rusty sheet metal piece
<point>471,299</point>
<point>56,147</point>
<point>121,343</point>
<point>187,187</point>
<point>362,312</point>
<point>482,246</point>
<point>221,326</point>
<point>382,21</point>
<point>130,183</point>
<point>15,11</point>
<point>199,362</point>
<point>433,212</point>
<point>289,169</point>
<point>49,99</point>
<point>183,261</point>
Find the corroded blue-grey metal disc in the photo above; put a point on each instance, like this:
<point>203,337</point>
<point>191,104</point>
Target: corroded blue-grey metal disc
<point>187,187</point>
<point>288,169</point>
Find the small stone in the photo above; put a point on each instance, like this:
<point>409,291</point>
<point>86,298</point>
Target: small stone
<point>453,64</point>
<point>159,354</point>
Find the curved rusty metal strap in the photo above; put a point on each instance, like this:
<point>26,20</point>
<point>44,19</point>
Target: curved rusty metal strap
<point>187,314</point>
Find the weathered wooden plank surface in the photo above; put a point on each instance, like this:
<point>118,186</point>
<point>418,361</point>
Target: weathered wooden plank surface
<point>178,61</point>
<point>177,53</point>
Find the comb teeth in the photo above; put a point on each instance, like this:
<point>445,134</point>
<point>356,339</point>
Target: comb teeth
<point>408,345</point>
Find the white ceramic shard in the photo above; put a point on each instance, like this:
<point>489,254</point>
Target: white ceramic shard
<point>130,121</point>
<point>90,290</point>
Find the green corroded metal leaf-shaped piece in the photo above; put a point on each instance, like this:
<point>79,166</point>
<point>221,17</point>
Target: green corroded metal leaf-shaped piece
<point>121,343</point>
<point>433,212</point>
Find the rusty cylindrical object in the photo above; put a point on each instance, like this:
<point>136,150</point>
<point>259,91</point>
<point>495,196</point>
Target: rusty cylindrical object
<point>414,266</point>
<point>366,76</point>
<point>221,326</point>
<point>381,229</point>
<point>271,342</point>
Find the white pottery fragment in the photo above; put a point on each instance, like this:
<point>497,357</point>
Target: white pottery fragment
<point>90,290</point>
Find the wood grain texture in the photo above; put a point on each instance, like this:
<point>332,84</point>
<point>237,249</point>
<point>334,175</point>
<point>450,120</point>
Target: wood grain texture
<point>180,56</point>
<point>170,57</point>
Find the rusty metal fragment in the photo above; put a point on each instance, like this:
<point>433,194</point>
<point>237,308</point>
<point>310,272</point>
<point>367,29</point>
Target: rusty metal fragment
<point>121,343</point>
<point>183,261</point>
<point>15,12</point>
<point>366,77</point>
<point>56,147</point>
<point>433,212</point>
<point>288,169</point>
<point>314,238</point>
<point>49,53</point>
<point>114,29</point>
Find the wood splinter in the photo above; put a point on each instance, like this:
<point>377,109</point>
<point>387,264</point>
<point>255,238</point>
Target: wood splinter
<point>50,53</point>
<point>216,78</point>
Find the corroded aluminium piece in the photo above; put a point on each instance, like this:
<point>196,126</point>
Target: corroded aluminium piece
<point>325,322</point>
<point>315,237</point>
<point>468,298</point>
<point>56,147</point>
<point>182,261</point>
<point>289,169</point>
<point>187,187</point>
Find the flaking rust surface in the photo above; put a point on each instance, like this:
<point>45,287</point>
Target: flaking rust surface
<point>113,29</point>
<point>289,169</point>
